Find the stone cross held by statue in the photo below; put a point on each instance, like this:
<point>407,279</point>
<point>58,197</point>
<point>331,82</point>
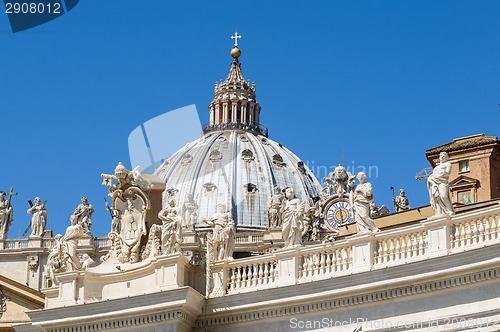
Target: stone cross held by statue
<point>236,37</point>
<point>9,195</point>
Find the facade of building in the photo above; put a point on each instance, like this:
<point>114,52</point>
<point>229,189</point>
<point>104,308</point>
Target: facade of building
<point>234,233</point>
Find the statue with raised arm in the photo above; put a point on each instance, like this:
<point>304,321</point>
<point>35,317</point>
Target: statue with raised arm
<point>38,218</point>
<point>223,237</point>
<point>171,231</point>
<point>401,202</point>
<point>361,198</point>
<point>83,214</point>
<point>274,208</point>
<point>6,216</point>
<point>293,218</point>
<point>437,184</point>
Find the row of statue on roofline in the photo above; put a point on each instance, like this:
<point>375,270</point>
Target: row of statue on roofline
<point>298,221</point>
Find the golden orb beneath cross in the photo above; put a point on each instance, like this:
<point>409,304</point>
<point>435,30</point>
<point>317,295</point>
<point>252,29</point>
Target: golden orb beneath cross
<point>235,52</point>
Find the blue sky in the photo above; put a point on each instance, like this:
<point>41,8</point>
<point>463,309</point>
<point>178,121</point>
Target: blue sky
<point>366,83</point>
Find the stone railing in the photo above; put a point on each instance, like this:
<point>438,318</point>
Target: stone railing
<point>249,238</point>
<point>249,126</point>
<point>477,230</point>
<point>14,244</point>
<point>433,237</point>
<point>405,244</point>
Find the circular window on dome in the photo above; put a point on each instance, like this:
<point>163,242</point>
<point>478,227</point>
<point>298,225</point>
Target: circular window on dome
<point>221,139</point>
<point>243,138</point>
<point>264,141</point>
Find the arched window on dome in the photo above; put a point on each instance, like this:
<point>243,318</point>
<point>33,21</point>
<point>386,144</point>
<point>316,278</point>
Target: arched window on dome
<point>278,160</point>
<point>251,188</point>
<point>247,155</point>
<point>209,187</point>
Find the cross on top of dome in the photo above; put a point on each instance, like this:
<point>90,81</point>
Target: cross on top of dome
<point>236,37</point>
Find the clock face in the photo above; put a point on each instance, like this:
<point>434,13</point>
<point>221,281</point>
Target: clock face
<point>339,213</point>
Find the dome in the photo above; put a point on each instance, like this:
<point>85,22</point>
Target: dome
<point>234,163</point>
<point>239,169</point>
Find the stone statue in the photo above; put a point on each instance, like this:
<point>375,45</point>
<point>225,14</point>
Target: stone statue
<point>171,232</point>
<point>437,184</point>
<point>223,237</point>
<point>190,212</point>
<point>340,178</point>
<point>63,255</point>
<point>38,218</point>
<point>68,244</point>
<point>87,261</point>
<point>337,182</point>
<point>361,198</point>
<point>311,227</point>
<point>274,208</point>
<point>54,262</point>
<point>128,211</point>
<point>83,214</point>
<point>292,212</point>
<point>376,211</point>
<point>401,202</point>
<point>6,216</point>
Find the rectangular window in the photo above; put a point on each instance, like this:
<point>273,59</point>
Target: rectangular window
<point>463,166</point>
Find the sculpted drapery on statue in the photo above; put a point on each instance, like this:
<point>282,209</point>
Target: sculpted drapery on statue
<point>361,198</point>
<point>189,212</point>
<point>83,214</point>
<point>38,218</point>
<point>6,216</point>
<point>292,213</point>
<point>222,240</point>
<point>63,255</point>
<point>437,184</point>
<point>129,206</point>
<point>274,208</point>
<point>68,244</point>
<point>171,232</point>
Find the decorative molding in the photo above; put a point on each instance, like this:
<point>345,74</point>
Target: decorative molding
<point>3,304</point>
<point>143,320</point>
<point>348,301</point>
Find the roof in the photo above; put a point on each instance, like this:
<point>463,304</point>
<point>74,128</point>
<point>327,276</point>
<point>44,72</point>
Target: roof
<point>464,143</point>
<point>35,297</point>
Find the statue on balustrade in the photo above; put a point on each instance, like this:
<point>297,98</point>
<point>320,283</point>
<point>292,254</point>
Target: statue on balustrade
<point>222,240</point>
<point>171,232</point>
<point>274,208</point>
<point>6,216</point>
<point>189,212</point>
<point>63,255</point>
<point>292,212</point>
<point>401,202</point>
<point>38,218</point>
<point>361,198</point>
<point>83,214</point>
<point>439,190</point>
<point>68,246</point>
